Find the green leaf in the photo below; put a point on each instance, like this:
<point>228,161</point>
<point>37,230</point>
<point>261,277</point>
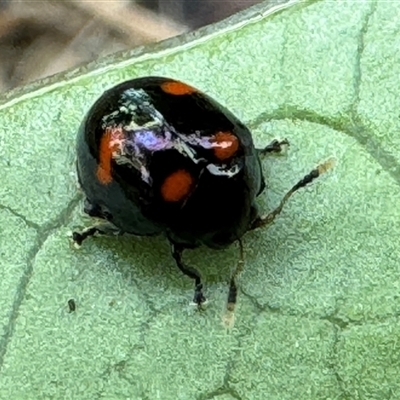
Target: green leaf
<point>318,312</point>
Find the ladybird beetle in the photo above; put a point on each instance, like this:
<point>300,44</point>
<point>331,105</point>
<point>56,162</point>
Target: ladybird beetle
<point>157,156</point>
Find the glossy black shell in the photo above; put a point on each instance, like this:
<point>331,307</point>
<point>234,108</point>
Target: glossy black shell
<point>220,206</point>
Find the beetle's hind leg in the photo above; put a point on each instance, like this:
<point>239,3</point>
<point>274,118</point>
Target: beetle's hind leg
<point>276,146</point>
<point>312,175</point>
<point>177,251</point>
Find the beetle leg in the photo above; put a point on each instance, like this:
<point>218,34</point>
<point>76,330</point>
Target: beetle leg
<point>177,251</point>
<point>315,173</point>
<point>95,210</point>
<point>104,228</point>
<point>229,316</point>
<point>276,146</point>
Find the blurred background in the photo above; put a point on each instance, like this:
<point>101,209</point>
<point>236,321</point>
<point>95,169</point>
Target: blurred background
<point>41,37</point>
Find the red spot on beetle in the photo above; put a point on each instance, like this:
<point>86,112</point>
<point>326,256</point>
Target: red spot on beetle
<point>226,144</point>
<point>109,143</point>
<point>177,88</point>
<point>177,186</point>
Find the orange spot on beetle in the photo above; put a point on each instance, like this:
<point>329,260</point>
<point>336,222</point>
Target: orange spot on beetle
<point>109,143</point>
<point>177,186</point>
<point>226,144</point>
<point>177,88</point>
